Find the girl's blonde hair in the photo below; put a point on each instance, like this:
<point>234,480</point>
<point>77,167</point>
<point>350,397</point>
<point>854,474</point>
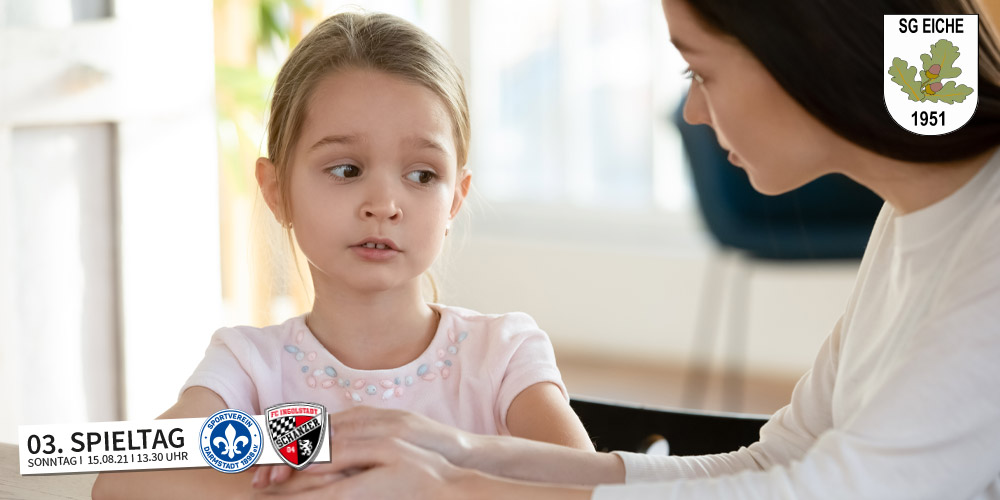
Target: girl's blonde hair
<point>375,41</point>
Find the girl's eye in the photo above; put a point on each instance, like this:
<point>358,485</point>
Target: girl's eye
<point>345,171</point>
<point>421,176</point>
<point>691,75</point>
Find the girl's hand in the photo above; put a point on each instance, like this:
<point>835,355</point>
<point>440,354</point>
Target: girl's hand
<point>384,467</point>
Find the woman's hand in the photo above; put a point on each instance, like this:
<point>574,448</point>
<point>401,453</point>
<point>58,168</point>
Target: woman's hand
<point>364,422</point>
<point>507,457</point>
<point>290,482</point>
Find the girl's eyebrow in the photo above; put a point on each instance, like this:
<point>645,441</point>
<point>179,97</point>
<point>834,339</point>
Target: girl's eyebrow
<point>336,139</point>
<point>418,142</point>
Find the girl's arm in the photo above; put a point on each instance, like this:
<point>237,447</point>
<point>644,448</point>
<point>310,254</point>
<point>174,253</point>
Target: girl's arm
<point>190,483</point>
<point>541,413</point>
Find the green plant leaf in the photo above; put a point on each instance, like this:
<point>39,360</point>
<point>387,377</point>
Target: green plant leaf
<point>270,24</point>
<point>905,76</point>
<point>950,93</point>
<point>944,53</point>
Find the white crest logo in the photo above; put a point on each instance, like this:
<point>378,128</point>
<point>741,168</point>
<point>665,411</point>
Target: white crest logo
<point>932,71</point>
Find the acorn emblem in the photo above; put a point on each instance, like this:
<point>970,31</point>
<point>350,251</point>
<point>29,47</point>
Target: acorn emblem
<point>933,71</point>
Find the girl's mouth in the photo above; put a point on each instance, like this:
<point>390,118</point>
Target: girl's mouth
<point>375,254</point>
<point>376,249</point>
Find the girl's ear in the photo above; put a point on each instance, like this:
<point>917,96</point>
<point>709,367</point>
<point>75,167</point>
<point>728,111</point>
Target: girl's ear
<point>267,179</point>
<point>461,190</point>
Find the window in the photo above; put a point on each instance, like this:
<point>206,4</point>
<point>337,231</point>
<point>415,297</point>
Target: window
<point>108,207</point>
<point>571,102</point>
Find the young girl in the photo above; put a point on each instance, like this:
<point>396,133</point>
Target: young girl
<point>367,145</point>
<point>901,402</point>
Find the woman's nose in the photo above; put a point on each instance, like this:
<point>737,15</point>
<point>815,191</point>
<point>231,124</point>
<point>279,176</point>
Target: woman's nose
<point>694,107</point>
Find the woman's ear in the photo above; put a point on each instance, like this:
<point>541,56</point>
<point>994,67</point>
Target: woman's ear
<point>267,179</point>
<point>461,190</point>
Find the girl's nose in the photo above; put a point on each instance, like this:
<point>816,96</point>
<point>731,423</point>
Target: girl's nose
<point>382,211</point>
<point>381,205</point>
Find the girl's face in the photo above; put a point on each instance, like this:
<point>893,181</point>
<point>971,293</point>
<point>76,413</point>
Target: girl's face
<point>767,133</point>
<point>374,181</point>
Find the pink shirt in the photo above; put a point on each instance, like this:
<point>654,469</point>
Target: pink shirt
<point>467,377</point>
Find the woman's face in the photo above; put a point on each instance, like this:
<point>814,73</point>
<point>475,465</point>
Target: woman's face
<point>767,133</point>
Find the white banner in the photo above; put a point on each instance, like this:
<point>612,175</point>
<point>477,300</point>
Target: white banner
<point>131,445</point>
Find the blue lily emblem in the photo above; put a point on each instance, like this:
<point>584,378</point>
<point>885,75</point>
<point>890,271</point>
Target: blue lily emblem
<point>231,442</point>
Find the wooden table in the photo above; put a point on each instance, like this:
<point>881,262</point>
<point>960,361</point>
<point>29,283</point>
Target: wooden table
<point>14,485</point>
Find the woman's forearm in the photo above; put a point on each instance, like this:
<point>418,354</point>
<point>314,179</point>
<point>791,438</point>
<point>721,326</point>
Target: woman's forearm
<point>528,460</point>
<point>479,486</point>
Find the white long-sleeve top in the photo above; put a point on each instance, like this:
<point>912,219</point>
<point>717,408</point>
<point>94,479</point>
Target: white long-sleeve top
<point>903,400</point>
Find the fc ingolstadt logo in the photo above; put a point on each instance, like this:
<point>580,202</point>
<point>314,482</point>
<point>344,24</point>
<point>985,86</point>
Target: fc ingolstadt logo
<point>297,431</point>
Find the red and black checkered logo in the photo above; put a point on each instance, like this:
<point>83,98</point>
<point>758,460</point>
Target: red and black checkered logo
<point>296,431</point>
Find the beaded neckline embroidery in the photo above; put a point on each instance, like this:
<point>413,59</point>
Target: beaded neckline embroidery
<point>359,390</point>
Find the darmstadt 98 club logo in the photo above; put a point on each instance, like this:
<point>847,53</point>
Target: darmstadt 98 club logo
<point>230,441</point>
<point>936,94</point>
<point>297,431</point>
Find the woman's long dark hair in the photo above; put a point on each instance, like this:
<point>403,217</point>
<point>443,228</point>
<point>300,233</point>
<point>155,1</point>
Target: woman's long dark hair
<point>827,54</point>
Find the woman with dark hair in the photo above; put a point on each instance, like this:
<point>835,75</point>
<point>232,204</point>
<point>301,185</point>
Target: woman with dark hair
<point>901,400</point>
